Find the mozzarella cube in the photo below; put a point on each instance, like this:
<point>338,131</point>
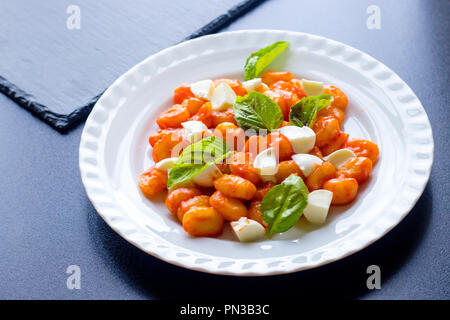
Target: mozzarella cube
<point>312,88</point>
<point>223,97</point>
<point>266,163</point>
<point>207,176</point>
<point>306,162</point>
<point>252,85</point>
<point>247,230</point>
<point>318,205</point>
<point>302,139</point>
<point>339,157</point>
<point>203,89</point>
<point>166,164</point>
<point>193,130</point>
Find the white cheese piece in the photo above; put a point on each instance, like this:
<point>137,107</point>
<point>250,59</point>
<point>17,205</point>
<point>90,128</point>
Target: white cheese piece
<point>207,176</point>
<point>306,162</point>
<point>247,230</point>
<point>266,163</point>
<point>203,89</point>
<point>302,139</point>
<point>166,164</point>
<point>252,85</point>
<point>318,205</point>
<point>223,97</point>
<point>339,157</point>
<point>193,130</point>
<point>312,88</point>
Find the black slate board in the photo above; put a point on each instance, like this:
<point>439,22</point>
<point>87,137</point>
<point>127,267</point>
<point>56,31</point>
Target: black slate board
<point>63,100</point>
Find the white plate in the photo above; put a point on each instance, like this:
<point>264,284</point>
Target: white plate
<point>382,108</point>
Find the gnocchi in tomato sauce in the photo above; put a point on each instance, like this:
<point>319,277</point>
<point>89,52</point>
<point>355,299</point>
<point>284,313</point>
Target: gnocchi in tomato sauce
<point>296,157</point>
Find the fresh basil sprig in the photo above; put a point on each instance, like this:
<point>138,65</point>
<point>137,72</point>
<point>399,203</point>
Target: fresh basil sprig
<point>304,112</point>
<point>196,158</point>
<point>257,111</point>
<point>259,60</point>
<point>204,151</point>
<point>283,205</point>
<point>182,174</point>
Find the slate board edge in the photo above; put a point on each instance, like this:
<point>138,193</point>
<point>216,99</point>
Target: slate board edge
<point>63,123</point>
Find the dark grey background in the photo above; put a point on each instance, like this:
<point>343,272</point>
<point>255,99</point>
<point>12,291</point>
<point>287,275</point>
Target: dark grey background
<point>47,222</point>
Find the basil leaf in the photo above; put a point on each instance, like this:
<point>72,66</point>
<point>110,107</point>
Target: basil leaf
<point>182,174</point>
<point>196,158</point>
<point>258,61</point>
<point>284,204</point>
<point>257,111</point>
<point>304,112</point>
<point>204,151</point>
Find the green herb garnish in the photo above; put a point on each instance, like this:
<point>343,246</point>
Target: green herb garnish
<point>283,205</point>
<point>259,60</point>
<point>196,158</point>
<point>304,112</point>
<point>257,111</point>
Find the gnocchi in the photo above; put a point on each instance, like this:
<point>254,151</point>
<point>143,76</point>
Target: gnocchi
<point>232,185</point>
